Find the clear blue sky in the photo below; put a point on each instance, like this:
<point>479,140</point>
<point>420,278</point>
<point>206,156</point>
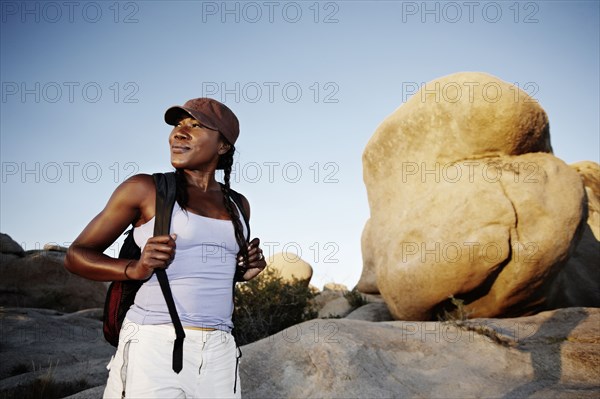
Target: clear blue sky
<point>85,87</point>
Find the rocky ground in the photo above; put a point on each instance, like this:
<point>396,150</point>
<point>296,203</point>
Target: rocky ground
<point>550,355</point>
<point>345,353</point>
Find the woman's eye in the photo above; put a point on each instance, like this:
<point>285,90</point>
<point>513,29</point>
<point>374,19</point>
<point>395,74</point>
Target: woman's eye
<point>196,125</point>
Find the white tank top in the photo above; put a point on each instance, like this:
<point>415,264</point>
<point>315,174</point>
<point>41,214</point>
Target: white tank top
<point>200,275</point>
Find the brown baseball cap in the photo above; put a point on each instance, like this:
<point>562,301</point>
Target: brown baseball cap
<point>211,113</point>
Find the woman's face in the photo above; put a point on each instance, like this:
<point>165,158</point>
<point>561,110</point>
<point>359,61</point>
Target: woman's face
<point>194,146</point>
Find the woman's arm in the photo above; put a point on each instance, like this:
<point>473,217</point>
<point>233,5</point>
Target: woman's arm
<point>130,201</point>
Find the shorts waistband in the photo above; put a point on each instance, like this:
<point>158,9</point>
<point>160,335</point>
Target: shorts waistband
<point>168,331</point>
<point>199,328</point>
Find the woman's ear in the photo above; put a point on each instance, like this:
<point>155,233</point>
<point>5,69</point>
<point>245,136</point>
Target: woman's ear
<point>223,148</point>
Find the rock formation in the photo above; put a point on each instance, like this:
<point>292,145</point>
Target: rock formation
<point>578,281</point>
<point>552,354</point>
<point>331,302</point>
<point>64,352</point>
<point>467,201</point>
<point>38,278</point>
<point>9,246</point>
<point>289,266</point>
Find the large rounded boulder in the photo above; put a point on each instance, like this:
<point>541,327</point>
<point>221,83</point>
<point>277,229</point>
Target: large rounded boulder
<point>468,202</point>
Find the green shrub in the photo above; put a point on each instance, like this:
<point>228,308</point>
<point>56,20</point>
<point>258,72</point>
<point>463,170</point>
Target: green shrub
<point>267,304</point>
<point>453,310</point>
<point>355,298</point>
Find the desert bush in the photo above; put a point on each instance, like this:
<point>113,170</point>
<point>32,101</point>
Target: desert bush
<point>267,304</point>
<point>452,310</point>
<point>454,313</point>
<point>355,298</point>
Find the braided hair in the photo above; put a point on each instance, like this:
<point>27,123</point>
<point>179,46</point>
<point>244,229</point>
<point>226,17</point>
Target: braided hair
<point>225,162</point>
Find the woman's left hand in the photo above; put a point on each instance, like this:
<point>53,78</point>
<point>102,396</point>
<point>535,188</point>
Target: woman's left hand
<point>256,260</point>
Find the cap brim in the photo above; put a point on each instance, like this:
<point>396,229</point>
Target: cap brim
<point>174,114</point>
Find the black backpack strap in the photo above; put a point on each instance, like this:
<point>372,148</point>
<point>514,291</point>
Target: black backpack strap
<point>165,200</point>
<point>237,198</point>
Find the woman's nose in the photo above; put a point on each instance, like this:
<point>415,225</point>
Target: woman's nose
<point>181,134</point>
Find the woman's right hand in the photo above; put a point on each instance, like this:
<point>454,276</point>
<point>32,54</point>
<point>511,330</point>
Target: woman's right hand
<point>158,253</point>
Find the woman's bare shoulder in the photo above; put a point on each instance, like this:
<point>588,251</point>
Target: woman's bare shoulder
<point>141,178</point>
<point>140,183</point>
<point>135,191</point>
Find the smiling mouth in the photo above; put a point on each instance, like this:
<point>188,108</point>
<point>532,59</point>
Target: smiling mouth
<point>179,149</point>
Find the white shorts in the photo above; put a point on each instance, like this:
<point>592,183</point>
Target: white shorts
<point>142,365</point>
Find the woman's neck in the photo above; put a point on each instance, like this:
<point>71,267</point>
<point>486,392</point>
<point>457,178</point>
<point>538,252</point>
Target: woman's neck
<point>201,180</point>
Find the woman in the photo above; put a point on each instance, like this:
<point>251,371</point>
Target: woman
<point>206,244</point>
